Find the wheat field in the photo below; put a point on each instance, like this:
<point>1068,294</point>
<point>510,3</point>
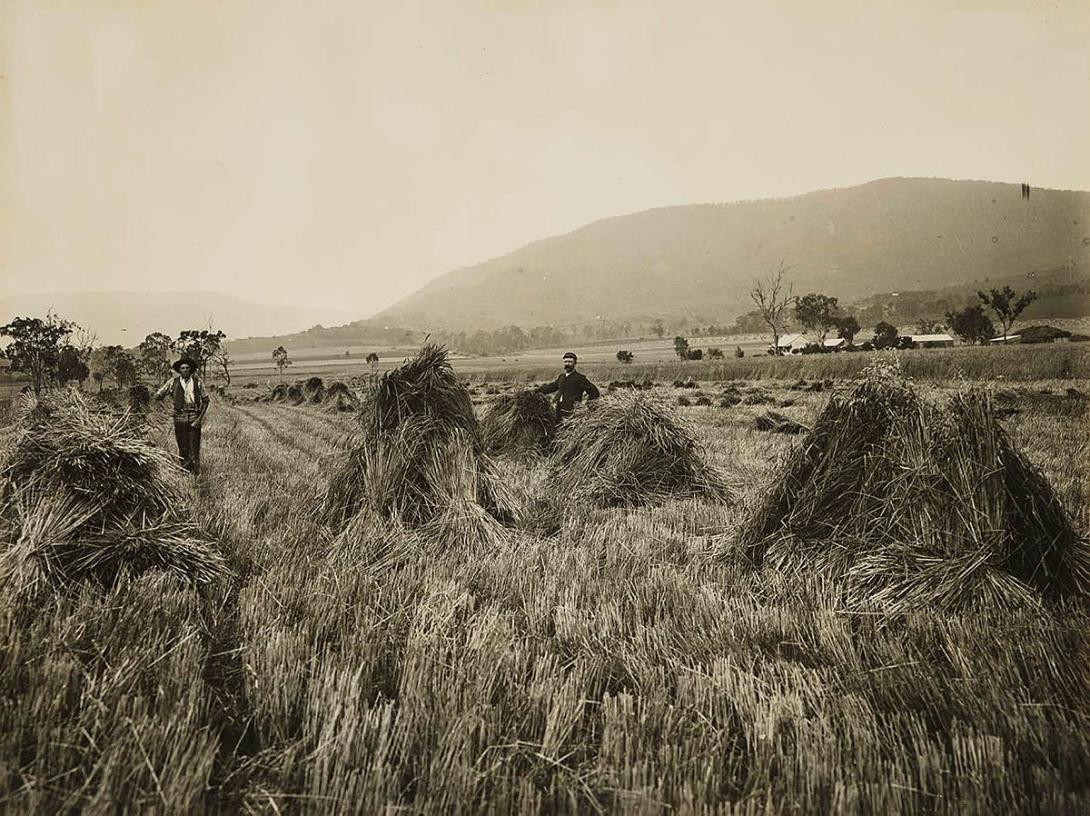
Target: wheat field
<point>632,662</point>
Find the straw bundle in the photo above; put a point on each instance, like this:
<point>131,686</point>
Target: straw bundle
<point>916,504</point>
<point>774,422</point>
<point>520,424</point>
<point>630,451</point>
<point>416,461</point>
<point>339,398</point>
<point>279,393</point>
<point>86,497</point>
<point>295,394</point>
<point>314,390</point>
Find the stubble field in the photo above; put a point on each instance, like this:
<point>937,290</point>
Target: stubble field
<point>631,662</point>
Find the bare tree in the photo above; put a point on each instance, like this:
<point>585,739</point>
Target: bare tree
<point>773,297</point>
<point>86,340</point>
<point>224,361</point>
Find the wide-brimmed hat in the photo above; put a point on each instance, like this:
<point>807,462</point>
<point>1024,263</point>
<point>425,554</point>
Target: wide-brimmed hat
<point>176,365</point>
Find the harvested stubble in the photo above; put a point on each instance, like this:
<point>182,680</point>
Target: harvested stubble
<point>416,462</point>
<point>339,398</point>
<point>519,424</point>
<point>918,505</point>
<point>86,497</point>
<point>630,451</point>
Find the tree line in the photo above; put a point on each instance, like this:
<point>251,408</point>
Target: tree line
<point>55,351</point>
<point>821,314</point>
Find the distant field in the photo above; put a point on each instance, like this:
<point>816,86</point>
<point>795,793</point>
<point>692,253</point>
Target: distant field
<point>1022,363</point>
<point>656,361</point>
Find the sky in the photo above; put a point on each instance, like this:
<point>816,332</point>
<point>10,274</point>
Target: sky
<point>341,154</point>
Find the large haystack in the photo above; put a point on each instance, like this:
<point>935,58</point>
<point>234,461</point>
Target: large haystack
<point>84,496</point>
<point>519,424</point>
<point>417,461</point>
<point>918,505</point>
<point>630,451</point>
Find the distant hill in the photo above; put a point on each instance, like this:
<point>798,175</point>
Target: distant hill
<point>697,261</point>
<point>371,333</point>
<point>125,318</point>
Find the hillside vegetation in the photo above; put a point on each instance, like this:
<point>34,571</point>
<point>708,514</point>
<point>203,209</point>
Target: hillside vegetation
<point>698,260</point>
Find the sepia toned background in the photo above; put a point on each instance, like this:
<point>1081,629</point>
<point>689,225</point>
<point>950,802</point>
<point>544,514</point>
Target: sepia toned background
<point>338,155</point>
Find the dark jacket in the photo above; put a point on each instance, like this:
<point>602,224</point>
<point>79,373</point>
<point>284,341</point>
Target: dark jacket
<point>571,388</point>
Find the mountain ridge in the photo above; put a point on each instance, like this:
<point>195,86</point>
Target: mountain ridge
<point>677,261</point>
<point>125,318</point>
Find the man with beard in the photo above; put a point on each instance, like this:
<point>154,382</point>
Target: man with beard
<point>570,388</point>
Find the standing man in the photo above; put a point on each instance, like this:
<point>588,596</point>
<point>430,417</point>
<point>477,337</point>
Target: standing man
<point>570,387</point>
<point>190,405</point>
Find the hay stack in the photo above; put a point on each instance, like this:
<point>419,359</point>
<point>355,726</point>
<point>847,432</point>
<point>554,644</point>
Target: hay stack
<point>630,451</point>
<point>84,496</point>
<point>278,394</point>
<point>918,505</point>
<point>339,398</point>
<point>295,394</point>
<point>417,462</point>
<point>314,390</point>
<point>519,424</point>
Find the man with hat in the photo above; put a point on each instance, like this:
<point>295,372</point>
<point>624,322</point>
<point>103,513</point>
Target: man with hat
<point>190,405</point>
<point>570,388</point>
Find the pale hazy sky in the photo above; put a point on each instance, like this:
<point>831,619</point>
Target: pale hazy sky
<point>340,154</point>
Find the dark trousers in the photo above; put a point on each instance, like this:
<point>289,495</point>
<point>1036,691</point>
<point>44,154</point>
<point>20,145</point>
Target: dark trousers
<point>189,444</point>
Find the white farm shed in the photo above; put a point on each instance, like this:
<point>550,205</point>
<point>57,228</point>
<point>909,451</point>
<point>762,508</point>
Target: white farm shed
<point>933,340</point>
<point>792,343</point>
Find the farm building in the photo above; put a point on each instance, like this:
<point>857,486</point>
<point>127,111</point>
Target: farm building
<point>836,343</point>
<point>1043,334</point>
<point>792,343</point>
<point>933,340</point>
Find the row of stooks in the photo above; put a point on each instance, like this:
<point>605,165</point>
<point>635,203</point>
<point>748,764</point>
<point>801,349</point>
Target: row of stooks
<point>334,398</point>
<point>906,503</point>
